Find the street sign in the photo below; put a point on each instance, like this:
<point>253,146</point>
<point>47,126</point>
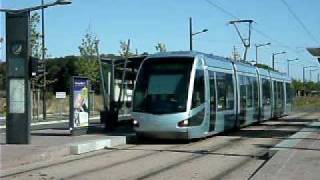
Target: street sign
<point>61,95</point>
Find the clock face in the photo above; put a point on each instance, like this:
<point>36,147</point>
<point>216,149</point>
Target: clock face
<point>16,49</point>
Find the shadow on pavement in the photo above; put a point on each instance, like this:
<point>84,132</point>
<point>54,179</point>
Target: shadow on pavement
<point>292,148</point>
<point>260,133</point>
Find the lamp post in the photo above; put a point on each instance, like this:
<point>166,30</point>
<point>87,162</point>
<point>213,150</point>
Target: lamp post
<point>58,2</point>
<point>34,8</point>
<point>191,34</point>
<point>312,70</point>
<point>289,60</point>
<point>1,41</point>
<point>257,46</point>
<point>304,70</point>
<point>273,56</point>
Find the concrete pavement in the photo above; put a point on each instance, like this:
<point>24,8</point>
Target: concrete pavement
<point>243,154</point>
<point>50,144</point>
<point>296,158</point>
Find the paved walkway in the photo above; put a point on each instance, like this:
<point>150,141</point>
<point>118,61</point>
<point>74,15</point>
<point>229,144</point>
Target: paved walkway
<point>42,147</point>
<point>296,158</point>
<point>49,144</point>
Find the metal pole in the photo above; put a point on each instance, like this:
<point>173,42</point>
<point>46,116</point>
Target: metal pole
<point>102,78</point>
<point>310,74</point>
<point>273,61</point>
<point>303,83</point>
<point>256,54</point>
<point>61,106</point>
<point>44,109</point>
<point>38,100</point>
<point>288,68</point>
<point>304,74</point>
<point>190,33</point>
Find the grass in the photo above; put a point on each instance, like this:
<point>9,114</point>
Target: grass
<point>307,104</point>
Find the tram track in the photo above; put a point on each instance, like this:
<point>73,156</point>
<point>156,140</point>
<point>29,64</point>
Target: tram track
<point>60,162</point>
<point>153,152</point>
<point>202,154</point>
<point>234,141</point>
<point>87,156</point>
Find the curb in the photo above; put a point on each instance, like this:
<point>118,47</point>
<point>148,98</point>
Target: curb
<point>95,145</point>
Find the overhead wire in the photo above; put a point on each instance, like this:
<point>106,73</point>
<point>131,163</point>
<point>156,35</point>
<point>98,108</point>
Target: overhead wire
<point>304,27</point>
<point>274,41</point>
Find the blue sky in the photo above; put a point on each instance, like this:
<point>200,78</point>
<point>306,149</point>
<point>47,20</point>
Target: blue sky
<point>147,22</point>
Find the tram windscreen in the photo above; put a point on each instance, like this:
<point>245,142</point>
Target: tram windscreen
<point>162,85</point>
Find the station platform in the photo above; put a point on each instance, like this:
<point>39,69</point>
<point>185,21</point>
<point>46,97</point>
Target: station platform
<point>296,158</point>
<point>50,144</point>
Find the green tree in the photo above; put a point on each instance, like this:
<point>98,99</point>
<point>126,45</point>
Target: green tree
<point>36,49</point>
<point>297,85</point>
<point>263,66</point>
<point>161,47</point>
<point>123,49</point>
<point>88,64</point>
<point>2,75</point>
<point>35,36</point>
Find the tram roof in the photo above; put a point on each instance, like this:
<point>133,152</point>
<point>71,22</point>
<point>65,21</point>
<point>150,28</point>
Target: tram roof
<point>243,67</point>
<point>264,72</point>
<point>279,76</point>
<point>221,62</point>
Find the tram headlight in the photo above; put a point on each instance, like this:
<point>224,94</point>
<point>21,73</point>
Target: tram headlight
<point>183,123</point>
<point>135,123</point>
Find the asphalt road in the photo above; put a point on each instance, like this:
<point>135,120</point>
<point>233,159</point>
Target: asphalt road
<point>234,155</point>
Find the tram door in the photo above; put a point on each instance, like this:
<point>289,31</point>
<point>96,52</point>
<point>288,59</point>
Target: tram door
<point>282,98</point>
<point>278,98</point>
<point>266,99</point>
<point>288,98</point>
<point>243,99</point>
<point>225,102</point>
<point>248,99</point>
<point>213,105</point>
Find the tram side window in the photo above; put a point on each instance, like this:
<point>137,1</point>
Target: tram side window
<point>288,93</point>
<point>225,91</point>
<point>243,91</point>
<point>266,96</point>
<point>198,90</point>
<point>275,92</point>
<point>281,92</point>
<point>250,92</point>
<point>255,92</point>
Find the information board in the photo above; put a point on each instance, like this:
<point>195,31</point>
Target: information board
<point>61,95</point>
<point>80,103</point>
